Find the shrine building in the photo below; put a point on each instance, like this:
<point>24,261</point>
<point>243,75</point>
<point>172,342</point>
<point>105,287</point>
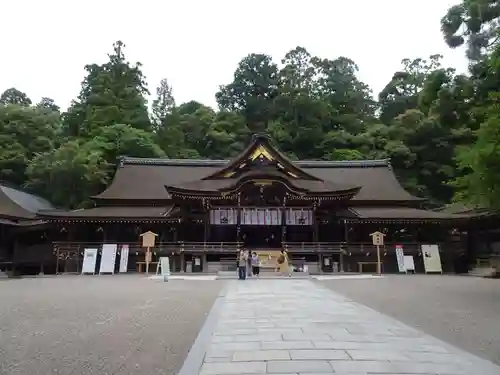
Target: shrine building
<point>204,211</point>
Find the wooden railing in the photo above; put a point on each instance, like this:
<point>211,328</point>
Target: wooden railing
<point>313,247</point>
<point>368,247</point>
<point>216,247</point>
<point>66,248</point>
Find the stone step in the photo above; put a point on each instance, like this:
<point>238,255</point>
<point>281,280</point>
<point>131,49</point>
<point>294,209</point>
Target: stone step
<point>482,272</point>
<point>263,275</point>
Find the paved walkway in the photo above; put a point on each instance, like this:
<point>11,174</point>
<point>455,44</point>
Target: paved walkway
<point>298,327</point>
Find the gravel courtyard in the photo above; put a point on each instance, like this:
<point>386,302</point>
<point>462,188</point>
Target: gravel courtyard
<point>463,311</point>
<point>100,325</point>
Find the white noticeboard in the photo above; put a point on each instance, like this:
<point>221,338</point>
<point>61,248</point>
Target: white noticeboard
<point>89,261</point>
<point>400,258</point>
<point>108,258</point>
<point>165,267</point>
<point>124,258</point>
<point>432,260</point>
<point>409,264</point>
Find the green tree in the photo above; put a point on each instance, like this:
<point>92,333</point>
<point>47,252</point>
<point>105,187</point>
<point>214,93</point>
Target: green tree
<point>350,98</point>
<point>121,139</point>
<point>480,182</point>
<point>475,23</point>
<point>227,135</point>
<point>163,106</point>
<point>252,92</point>
<point>402,92</point>
<point>14,96</point>
<point>48,104</point>
<point>69,175</point>
<point>24,132</point>
<point>112,93</point>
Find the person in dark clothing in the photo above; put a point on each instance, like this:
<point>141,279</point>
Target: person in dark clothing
<point>255,264</point>
<point>242,265</point>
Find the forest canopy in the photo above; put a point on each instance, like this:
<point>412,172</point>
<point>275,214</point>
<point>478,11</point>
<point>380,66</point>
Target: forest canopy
<point>440,129</point>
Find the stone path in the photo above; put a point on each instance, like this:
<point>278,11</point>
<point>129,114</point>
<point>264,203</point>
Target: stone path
<point>299,327</point>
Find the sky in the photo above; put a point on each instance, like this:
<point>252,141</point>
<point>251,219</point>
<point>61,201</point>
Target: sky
<point>197,44</point>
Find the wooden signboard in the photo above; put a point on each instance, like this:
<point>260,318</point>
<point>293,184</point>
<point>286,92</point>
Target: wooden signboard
<point>378,240</point>
<point>148,239</point>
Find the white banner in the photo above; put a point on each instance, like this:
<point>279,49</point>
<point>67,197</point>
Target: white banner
<point>298,216</point>
<point>432,260</point>
<point>108,258</point>
<point>223,216</point>
<point>89,261</point>
<point>400,258</point>
<point>409,263</point>
<point>124,258</point>
<point>260,216</point>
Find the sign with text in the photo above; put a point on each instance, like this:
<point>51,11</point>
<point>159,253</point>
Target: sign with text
<point>108,258</point>
<point>432,259</point>
<point>124,251</point>
<point>377,238</point>
<point>89,261</point>
<point>409,263</point>
<point>148,239</point>
<point>400,258</point>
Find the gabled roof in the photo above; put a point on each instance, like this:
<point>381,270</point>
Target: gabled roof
<point>145,178</point>
<point>298,186</point>
<point>260,149</point>
<point>262,164</point>
<point>20,205</point>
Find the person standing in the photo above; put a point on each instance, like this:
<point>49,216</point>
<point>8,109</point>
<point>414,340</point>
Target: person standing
<point>242,265</point>
<point>255,264</point>
<point>284,264</point>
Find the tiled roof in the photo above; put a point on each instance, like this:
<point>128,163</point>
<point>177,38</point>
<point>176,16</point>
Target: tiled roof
<point>18,204</point>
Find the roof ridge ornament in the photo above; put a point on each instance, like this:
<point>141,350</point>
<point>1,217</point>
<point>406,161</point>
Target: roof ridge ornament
<point>260,136</point>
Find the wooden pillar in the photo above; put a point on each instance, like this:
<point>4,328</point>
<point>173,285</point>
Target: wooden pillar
<point>238,219</point>
<point>315,222</point>
<point>204,263</point>
<point>346,247</point>
<point>183,262</point>
<point>283,222</point>
<point>206,221</point>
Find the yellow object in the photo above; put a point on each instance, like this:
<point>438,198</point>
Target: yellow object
<point>261,151</point>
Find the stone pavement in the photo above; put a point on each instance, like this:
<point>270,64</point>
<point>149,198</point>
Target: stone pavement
<point>299,327</point>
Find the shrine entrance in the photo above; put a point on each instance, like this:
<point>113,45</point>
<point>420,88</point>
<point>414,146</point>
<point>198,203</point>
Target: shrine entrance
<point>261,236</point>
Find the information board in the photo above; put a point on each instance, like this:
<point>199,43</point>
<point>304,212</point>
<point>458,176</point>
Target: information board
<point>165,267</point>
<point>108,258</point>
<point>89,261</point>
<point>432,260</point>
<point>409,263</point>
<point>124,258</point>
<point>400,258</point>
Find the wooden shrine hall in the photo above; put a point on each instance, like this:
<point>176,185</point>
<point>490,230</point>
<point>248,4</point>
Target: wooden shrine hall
<point>204,211</point>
